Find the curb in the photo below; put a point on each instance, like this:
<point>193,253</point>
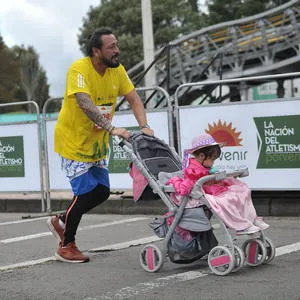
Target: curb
<point>111,206</point>
<point>266,204</point>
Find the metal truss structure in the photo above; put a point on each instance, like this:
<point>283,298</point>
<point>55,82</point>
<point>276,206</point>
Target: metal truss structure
<point>267,43</point>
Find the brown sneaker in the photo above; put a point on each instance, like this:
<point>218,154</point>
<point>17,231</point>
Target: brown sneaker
<point>71,254</point>
<point>55,228</point>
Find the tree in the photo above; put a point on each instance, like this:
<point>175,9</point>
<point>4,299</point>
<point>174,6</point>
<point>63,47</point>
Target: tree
<point>2,44</point>
<point>9,75</point>
<point>220,11</point>
<point>33,80</point>
<point>275,3</point>
<point>171,18</point>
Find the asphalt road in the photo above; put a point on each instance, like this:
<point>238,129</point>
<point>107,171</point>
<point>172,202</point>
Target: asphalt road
<point>28,269</point>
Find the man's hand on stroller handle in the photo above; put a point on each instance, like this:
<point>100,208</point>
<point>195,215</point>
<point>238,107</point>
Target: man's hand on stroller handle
<point>147,131</point>
<point>121,132</point>
<point>124,133</point>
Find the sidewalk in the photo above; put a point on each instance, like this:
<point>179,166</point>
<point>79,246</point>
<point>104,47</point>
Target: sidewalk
<point>266,203</point>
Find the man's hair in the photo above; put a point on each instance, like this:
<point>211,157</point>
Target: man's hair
<point>95,39</point>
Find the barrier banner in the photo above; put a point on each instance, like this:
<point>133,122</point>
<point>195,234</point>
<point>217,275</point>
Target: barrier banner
<point>118,160</point>
<point>12,156</point>
<point>279,142</point>
<point>20,166</point>
<point>263,137</point>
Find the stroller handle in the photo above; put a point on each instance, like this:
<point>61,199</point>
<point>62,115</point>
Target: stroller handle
<point>220,176</point>
<point>239,173</point>
<point>133,135</point>
<point>123,142</point>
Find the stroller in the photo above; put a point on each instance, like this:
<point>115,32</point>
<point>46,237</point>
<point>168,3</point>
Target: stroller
<point>189,233</point>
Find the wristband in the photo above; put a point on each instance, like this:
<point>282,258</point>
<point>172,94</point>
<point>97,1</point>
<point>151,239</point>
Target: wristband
<point>145,126</point>
<point>110,130</point>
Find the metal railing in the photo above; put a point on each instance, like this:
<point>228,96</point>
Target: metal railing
<point>220,82</point>
<point>260,44</point>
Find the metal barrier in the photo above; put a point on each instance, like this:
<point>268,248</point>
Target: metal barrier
<point>24,174</point>
<point>44,128</point>
<point>169,109</point>
<point>161,120</point>
<point>261,135</point>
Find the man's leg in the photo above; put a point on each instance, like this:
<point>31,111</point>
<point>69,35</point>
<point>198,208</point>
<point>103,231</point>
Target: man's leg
<point>81,205</point>
<point>90,185</point>
<point>68,252</point>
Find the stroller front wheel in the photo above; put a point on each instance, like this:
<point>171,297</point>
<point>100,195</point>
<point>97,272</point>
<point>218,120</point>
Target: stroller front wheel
<point>255,252</point>
<point>221,260</point>
<point>271,250</point>
<point>239,258</point>
<point>151,258</point>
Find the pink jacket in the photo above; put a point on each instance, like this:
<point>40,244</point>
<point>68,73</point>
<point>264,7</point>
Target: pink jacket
<point>194,171</point>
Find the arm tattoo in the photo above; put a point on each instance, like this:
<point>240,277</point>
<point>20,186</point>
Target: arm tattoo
<point>86,104</point>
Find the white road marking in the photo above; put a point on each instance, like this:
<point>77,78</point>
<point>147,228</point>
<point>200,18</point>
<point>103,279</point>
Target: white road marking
<point>124,245</point>
<point>111,247</point>
<point>27,263</point>
<point>114,223</point>
<point>287,249</point>
<point>48,233</point>
<point>25,237</point>
<point>22,221</point>
<point>279,251</point>
<point>146,287</point>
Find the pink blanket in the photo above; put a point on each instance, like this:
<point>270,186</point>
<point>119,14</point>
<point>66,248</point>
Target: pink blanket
<point>231,201</point>
<point>139,182</point>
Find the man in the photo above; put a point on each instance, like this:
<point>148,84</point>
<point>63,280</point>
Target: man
<point>82,133</point>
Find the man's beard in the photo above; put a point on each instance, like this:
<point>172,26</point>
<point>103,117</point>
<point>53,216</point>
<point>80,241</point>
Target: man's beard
<point>110,62</point>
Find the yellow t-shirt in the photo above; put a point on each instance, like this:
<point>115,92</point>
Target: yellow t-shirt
<point>76,137</point>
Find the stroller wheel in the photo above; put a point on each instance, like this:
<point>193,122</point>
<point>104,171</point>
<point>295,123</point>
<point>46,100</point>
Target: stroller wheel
<point>271,250</point>
<point>221,260</point>
<point>255,252</point>
<point>239,258</point>
<point>151,258</point>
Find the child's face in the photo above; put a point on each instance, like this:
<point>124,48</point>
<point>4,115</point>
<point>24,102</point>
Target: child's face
<point>206,162</point>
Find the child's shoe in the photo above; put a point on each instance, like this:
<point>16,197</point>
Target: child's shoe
<point>251,229</point>
<point>260,223</point>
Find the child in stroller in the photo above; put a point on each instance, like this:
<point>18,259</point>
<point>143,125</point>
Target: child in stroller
<point>230,198</point>
<point>186,229</point>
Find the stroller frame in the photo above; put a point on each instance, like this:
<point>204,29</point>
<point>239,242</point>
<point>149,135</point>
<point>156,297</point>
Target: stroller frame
<point>255,250</point>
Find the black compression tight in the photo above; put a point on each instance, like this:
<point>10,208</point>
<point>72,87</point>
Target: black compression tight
<point>80,205</point>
